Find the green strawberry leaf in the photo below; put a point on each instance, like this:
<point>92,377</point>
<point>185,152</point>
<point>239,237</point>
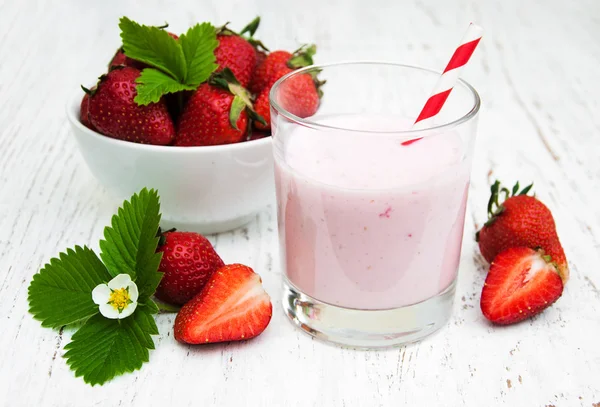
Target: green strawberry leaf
<point>198,45</point>
<point>303,56</point>
<point>154,47</point>
<point>237,106</point>
<point>104,348</point>
<point>153,84</point>
<point>251,27</point>
<point>130,242</point>
<point>61,293</point>
<point>151,306</point>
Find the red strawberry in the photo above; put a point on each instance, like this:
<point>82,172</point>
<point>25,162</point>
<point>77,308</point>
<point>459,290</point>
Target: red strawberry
<point>121,59</point>
<point>232,306</point>
<point>217,113</point>
<point>113,112</point>
<point>261,104</point>
<point>206,121</point>
<point>277,60</point>
<point>299,95</point>
<point>84,111</point>
<point>520,220</point>
<point>237,54</point>
<point>188,261</point>
<point>272,63</point>
<point>521,283</point>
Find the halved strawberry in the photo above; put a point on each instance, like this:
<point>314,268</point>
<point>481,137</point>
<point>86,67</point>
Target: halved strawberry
<point>232,306</point>
<point>521,283</point>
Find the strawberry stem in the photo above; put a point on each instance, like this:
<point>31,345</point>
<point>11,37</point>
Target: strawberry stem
<point>495,206</point>
<point>242,100</point>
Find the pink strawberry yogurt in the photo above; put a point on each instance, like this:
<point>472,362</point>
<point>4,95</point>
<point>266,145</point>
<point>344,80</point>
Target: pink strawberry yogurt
<point>365,222</point>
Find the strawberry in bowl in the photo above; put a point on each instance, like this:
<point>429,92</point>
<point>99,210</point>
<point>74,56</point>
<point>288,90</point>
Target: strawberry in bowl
<point>174,113</point>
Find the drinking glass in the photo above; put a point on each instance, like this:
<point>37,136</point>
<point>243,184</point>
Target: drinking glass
<point>370,212</point>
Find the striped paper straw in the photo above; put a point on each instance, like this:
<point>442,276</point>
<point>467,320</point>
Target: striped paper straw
<point>448,79</point>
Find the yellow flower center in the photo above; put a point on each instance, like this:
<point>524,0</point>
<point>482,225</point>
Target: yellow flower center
<point>119,299</point>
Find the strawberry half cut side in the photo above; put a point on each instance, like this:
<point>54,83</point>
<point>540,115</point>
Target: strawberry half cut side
<point>521,283</point>
<point>232,306</point>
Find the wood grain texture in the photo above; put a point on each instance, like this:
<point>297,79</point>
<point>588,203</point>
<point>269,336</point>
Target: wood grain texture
<point>537,73</point>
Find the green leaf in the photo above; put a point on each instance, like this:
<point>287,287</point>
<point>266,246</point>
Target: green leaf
<point>104,348</point>
<point>151,306</point>
<point>198,45</point>
<point>61,293</point>
<point>153,84</point>
<point>237,106</point>
<point>303,56</point>
<point>515,189</point>
<point>153,46</point>
<point>526,189</point>
<point>251,27</point>
<point>130,242</point>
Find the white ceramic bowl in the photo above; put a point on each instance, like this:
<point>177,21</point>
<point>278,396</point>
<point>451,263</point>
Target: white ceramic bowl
<point>208,189</point>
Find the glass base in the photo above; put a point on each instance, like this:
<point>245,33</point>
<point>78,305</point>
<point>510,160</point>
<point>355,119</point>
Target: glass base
<point>367,328</point>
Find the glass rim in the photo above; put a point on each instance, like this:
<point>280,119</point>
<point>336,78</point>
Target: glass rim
<point>315,125</point>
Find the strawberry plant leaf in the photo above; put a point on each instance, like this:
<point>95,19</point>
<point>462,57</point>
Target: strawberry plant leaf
<point>130,242</point>
<point>153,84</point>
<point>104,348</point>
<point>198,45</point>
<point>61,293</point>
<point>152,307</point>
<point>154,47</point>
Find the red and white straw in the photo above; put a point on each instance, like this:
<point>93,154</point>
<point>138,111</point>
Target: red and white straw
<point>448,79</point>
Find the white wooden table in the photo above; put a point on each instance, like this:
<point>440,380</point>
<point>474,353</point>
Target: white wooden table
<point>537,72</point>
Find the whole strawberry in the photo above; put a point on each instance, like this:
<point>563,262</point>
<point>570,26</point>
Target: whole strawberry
<point>217,113</point>
<point>237,54</point>
<point>188,261</point>
<point>520,220</point>
<point>232,306</point>
<point>271,68</point>
<point>299,95</point>
<point>113,112</point>
<point>205,120</point>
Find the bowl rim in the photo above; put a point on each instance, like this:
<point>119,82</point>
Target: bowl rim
<point>74,105</point>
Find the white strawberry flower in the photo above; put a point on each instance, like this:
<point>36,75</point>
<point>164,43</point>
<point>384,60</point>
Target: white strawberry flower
<point>118,298</point>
